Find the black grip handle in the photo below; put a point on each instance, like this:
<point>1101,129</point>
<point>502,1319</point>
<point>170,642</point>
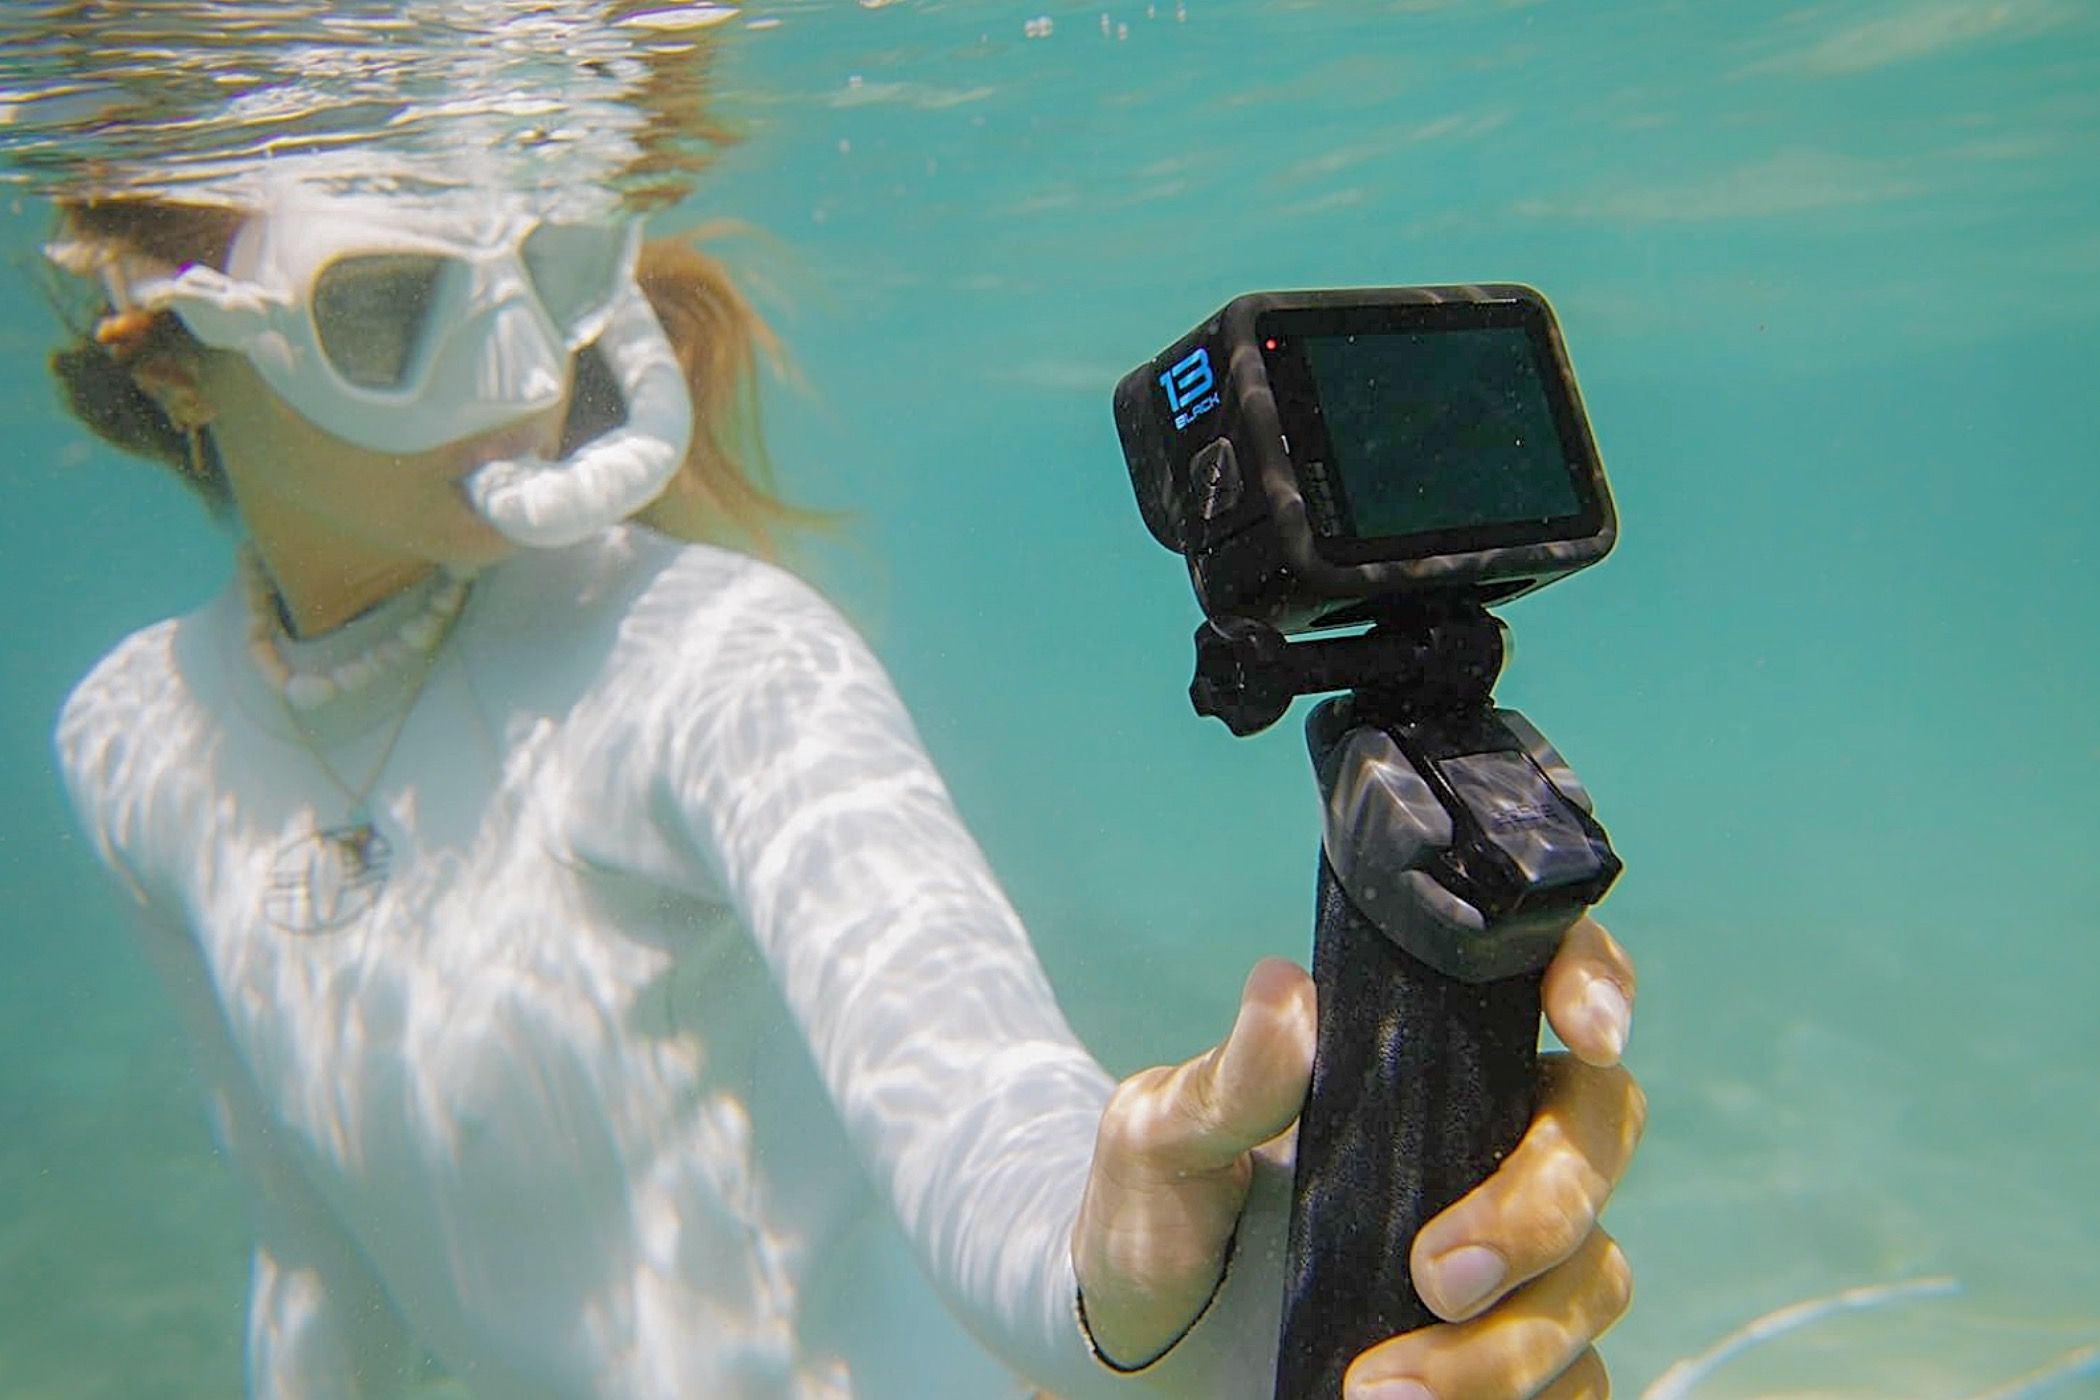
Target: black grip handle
<point>1422,1084</point>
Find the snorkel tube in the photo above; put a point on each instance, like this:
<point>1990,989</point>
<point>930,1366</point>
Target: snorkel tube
<point>547,505</point>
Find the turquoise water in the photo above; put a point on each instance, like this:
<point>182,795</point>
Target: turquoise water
<point>1831,279</point>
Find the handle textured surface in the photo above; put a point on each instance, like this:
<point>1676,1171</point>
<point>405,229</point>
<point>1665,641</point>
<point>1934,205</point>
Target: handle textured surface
<point>1421,1086</point>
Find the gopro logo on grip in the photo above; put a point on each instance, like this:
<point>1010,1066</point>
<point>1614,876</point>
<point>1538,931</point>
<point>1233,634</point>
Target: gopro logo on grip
<point>1191,387</point>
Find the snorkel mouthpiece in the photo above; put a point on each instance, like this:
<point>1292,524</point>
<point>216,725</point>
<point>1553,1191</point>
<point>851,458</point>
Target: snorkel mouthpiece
<point>547,505</point>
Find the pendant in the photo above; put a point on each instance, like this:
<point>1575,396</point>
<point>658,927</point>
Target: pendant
<point>326,879</point>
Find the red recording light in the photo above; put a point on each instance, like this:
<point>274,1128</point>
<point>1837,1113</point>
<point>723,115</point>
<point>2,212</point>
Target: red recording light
<point>1269,344</point>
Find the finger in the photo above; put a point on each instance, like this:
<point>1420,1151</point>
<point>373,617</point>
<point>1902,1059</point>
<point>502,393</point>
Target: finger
<point>1588,994</point>
<point>1202,1116</point>
<point>1585,1380</point>
<point>1520,1348</point>
<point>1543,1201</point>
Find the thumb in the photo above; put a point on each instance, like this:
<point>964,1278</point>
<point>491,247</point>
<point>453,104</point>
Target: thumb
<point>1248,1089</point>
<point>1171,1170</point>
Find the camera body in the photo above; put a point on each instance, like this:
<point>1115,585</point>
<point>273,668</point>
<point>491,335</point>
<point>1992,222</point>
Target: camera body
<point>1328,458</point>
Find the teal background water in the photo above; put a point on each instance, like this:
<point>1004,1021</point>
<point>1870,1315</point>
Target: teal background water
<point>1831,278</point>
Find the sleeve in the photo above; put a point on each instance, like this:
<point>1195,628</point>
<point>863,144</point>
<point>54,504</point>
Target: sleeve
<point>803,785</point>
<point>319,1323</point>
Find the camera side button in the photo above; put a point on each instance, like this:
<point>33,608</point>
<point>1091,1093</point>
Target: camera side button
<point>1214,479</point>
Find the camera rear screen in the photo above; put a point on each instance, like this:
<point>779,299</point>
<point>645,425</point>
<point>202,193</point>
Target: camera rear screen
<point>1439,430</point>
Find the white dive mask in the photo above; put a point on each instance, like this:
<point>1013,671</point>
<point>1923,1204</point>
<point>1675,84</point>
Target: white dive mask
<point>401,328</point>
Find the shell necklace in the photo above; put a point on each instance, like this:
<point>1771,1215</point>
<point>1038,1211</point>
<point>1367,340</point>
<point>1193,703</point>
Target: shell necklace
<point>334,875</point>
<point>306,691</point>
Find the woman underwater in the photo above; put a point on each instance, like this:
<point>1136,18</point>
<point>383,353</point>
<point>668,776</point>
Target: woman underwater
<point>596,988</point>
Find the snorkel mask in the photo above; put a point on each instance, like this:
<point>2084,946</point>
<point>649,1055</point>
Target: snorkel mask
<point>402,326</point>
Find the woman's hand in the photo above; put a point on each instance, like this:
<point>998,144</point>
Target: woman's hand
<point>1517,1268</point>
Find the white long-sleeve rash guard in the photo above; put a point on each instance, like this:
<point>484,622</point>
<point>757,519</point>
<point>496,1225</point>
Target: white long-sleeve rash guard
<point>682,949</point>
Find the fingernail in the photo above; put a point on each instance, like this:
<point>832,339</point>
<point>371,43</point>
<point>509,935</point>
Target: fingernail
<point>1464,1277</point>
<point>1609,1013</point>
<point>1391,1390</point>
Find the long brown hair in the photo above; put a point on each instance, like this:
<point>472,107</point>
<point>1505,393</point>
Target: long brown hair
<point>722,493</point>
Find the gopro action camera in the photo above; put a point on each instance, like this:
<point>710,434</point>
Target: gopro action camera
<point>1321,457</point>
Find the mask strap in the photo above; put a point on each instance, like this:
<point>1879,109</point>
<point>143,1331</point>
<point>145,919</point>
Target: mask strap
<point>548,505</point>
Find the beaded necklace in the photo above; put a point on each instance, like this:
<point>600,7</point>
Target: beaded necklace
<point>304,690</point>
<point>333,875</point>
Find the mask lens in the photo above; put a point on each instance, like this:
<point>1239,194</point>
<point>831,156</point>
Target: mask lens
<point>575,269</point>
<point>370,312</point>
